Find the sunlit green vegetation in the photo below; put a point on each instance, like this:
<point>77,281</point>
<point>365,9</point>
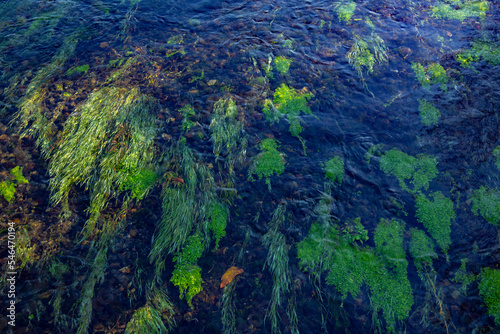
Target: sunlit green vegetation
<point>227,134</point>
<point>384,269</point>
<point>419,170</point>
<point>218,220</point>
<point>334,169</point>
<point>436,216</point>
<point>8,187</point>
<point>486,201</point>
<point>290,103</point>
<point>460,9</point>
<point>479,50</point>
<point>268,162</point>
<point>78,69</point>
<point>187,275</point>
<point>432,74</point>
<point>187,111</point>
<point>428,113</point>
<point>277,261</point>
<point>150,318</point>
<point>345,10</point>
<point>461,276</point>
<point>421,250</point>
<point>25,250</point>
<point>109,140</point>
<point>282,64</point>
<point>496,155</point>
<point>187,199</point>
<point>489,289</point>
<point>374,150</point>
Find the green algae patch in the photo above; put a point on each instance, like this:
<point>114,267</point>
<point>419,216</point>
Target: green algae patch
<point>480,50</point>
<point>419,170</point>
<point>78,69</point>
<point>8,187</point>
<point>282,64</point>
<point>489,289</point>
<point>187,275</point>
<point>496,155</point>
<point>486,201</point>
<point>436,215</point>
<point>218,220</point>
<point>383,270</point>
<point>187,112</point>
<point>334,169</point>
<point>227,134</point>
<point>109,139</point>
<point>289,102</point>
<point>460,9</point>
<point>268,162</point>
<point>138,182</point>
<point>345,10</point>
<point>432,74</point>
<point>429,115</point>
<point>461,276</point>
<point>421,249</point>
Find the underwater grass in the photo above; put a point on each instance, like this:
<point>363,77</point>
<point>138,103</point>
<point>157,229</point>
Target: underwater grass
<point>436,215</point>
<point>277,261</point>
<point>227,134</point>
<point>486,201</point>
<point>429,114</point>
<point>96,276</point>
<point>102,147</point>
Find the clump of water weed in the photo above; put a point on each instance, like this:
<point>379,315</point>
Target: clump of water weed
<point>489,289</point>
<point>429,114</point>
<point>268,162</point>
<point>432,74</point>
<point>228,134</point>
<point>436,216</point>
<point>334,169</point>
<point>289,103</point>
<point>460,9</point>
<point>486,201</point>
<point>419,170</point>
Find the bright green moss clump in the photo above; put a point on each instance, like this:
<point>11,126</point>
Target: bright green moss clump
<point>436,216</point>
<point>78,69</point>
<point>138,182</point>
<point>489,289</point>
<point>187,275</point>
<point>496,155</point>
<point>465,9</point>
<point>428,113</point>
<point>8,187</point>
<point>421,249</point>
<point>419,170</point>
<point>334,170</point>
<point>268,162</point>
<point>218,221</point>
<point>288,102</point>
<point>282,64</point>
<point>349,266</point>
<point>480,50</point>
<point>486,201</point>
<point>431,75</point>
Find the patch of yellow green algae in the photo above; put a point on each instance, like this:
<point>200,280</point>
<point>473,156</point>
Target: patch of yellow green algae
<point>460,9</point>
<point>289,102</point>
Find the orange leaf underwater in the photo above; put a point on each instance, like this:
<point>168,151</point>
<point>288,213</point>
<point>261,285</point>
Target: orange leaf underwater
<point>229,275</point>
